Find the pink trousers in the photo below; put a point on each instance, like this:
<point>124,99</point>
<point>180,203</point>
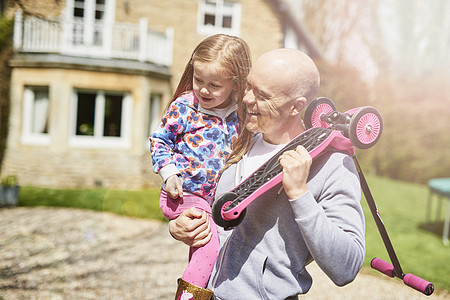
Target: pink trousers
<point>202,259</point>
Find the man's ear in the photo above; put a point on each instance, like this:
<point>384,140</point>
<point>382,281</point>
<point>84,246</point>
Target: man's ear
<point>298,106</point>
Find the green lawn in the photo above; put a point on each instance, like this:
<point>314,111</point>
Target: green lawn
<point>401,205</point>
<point>139,204</point>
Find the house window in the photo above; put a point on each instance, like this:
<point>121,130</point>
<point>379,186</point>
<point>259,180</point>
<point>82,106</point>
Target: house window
<point>100,119</point>
<point>88,21</point>
<point>36,108</point>
<point>219,16</point>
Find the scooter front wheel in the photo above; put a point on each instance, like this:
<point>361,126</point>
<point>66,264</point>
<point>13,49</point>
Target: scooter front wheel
<point>218,207</point>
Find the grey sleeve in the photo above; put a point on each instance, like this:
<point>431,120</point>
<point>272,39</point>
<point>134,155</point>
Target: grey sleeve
<point>331,219</point>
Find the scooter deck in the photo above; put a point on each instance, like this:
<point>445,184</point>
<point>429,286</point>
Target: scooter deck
<point>315,140</point>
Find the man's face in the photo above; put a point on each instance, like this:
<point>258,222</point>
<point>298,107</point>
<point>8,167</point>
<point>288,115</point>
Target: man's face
<point>266,101</point>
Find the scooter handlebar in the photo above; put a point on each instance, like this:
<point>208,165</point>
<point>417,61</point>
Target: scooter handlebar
<point>382,266</point>
<point>410,280</point>
<point>419,284</point>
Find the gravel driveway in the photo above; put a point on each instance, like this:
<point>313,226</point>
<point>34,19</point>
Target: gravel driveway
<point>49,253</point>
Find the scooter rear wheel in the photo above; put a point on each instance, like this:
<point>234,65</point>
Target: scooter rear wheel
<point>317,108</point>
<point>219,205</point>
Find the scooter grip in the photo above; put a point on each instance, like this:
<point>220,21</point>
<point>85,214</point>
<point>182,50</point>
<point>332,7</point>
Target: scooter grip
<point>419,284</point>
<point>382,266</point>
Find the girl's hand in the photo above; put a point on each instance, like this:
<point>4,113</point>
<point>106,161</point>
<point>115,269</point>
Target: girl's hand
<point>192,227</point>
<point>174,186</point>
<point>296,165</point>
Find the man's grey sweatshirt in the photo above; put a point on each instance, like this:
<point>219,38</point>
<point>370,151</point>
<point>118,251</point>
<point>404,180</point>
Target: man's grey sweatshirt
<point>265,257</point>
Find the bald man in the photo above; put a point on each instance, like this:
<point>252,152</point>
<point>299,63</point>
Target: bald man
<point>314,214</point>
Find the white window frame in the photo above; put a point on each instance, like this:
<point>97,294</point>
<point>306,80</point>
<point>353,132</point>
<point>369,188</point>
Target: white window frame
<point>89,25</point>
<point>154,115</point>
<point>98,140</point>
<point>28,136</point>
<point>155,108</point>
<point>218,12</point>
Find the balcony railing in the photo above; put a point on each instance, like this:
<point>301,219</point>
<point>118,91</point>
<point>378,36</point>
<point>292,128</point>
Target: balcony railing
<point>119,41</point>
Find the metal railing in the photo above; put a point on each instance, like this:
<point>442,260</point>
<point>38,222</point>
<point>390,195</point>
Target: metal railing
<point>73,37</point>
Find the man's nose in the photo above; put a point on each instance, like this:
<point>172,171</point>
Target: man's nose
<point>248,97</point>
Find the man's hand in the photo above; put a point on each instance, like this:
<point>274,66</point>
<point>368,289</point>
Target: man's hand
<point>174,186</point>
<point>192,227</point>
<point>296,165</point>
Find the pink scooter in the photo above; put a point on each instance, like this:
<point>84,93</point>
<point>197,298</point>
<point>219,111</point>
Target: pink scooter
<point>327,130</point>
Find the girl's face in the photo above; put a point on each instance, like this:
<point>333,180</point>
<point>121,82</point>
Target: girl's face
<point>210,86</point>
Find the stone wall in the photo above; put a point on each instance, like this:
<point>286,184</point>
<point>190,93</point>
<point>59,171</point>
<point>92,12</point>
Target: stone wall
<point>58,164</point>
<point>37,166</point>
<point>260,27</point>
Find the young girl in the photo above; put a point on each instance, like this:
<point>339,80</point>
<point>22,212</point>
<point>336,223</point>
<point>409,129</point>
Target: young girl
<point>194,140</point>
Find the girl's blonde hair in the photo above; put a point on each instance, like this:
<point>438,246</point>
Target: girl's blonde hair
<point>243,142</point>
<point>244,139</point>
<point>233,55</point>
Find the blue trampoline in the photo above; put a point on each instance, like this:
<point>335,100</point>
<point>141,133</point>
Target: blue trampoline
<point>441,188</point>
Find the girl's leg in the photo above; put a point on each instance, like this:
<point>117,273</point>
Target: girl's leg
<point>171,208</point>
<point>196,275</point>
<point>202,260</point>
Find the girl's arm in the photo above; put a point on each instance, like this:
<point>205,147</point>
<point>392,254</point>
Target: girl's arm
<point>174,186</point>
<point>163,141</point>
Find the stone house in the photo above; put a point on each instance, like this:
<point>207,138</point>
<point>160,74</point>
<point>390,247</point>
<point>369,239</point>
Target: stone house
<point>91,78</point>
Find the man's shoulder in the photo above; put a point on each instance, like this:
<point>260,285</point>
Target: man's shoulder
<point>333,157</point>
<point>332,162</point>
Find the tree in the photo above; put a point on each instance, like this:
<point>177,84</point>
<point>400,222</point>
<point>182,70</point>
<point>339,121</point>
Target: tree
<point>6,29</point>
<point>402,51</point>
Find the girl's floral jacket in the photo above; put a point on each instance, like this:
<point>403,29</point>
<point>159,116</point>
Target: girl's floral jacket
<point>194,142</point>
